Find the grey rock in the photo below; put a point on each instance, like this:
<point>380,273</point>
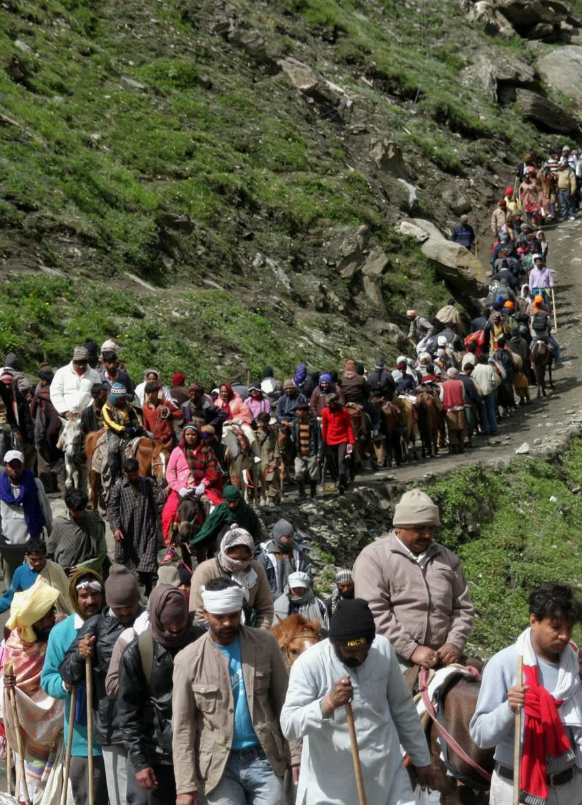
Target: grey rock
<point>537,441</point>
<point>347,248</point>
<point>301,76</point>
<point>499,75</point>
<point>456,265</point>
<point>545,114</point>
<point>494,22</point>
<point>131,82</point>
<point>181,223</point>
<point>562,70</point>
<point>18,43</point>
<point>376,263</point>
<point>279,273</point>
<point>528,13</point>
<point>388,156</point>
<point>413,231</point>
<point>522,449</point>
<point>250,41</point>
<point>373,293</point>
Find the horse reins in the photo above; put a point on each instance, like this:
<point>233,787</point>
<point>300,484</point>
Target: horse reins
<point>445,735</point>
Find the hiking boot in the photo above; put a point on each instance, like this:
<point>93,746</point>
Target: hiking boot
<point>169,557</point>
<point>341,489</point>
<point>301,486</point>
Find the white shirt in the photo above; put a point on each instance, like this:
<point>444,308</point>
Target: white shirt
<point>72,392</point>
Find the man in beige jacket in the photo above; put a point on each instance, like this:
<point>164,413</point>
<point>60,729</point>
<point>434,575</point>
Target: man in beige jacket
<point>416,588</point>
<point>229,690</point>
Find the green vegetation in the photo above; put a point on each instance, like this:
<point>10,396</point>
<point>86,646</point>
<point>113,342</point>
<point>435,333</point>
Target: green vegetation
<point>513,529</point>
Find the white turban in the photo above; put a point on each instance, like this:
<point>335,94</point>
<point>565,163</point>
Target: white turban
<point>222,602</point>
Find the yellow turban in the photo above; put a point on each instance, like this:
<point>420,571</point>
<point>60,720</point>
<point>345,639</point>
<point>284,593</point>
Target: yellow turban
<point>31,606</point>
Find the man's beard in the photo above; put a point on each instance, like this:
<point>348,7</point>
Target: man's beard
<point>347,596</point>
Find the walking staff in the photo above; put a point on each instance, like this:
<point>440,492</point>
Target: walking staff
<point>21,776</point>
<point>551,699</point>
<point>358,668</point>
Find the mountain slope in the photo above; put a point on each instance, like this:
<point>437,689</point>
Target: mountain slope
<point>168,140</point>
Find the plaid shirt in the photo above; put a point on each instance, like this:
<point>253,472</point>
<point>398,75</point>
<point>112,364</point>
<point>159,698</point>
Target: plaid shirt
<point>137,516</point>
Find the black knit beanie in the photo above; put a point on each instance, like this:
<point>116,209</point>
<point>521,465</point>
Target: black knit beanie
<point>352,624</point>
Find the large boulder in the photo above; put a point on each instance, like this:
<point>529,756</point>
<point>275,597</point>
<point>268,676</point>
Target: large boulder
<point>562,70</point>
<point>494,22</point>
<point>347,249</point>
<point>301,76</point>
<point>546,114</point>
<point>455,264</point>
<point>527,13</point>
<point>499,75</point>
<point>388,156</point>
<point>376,263</point>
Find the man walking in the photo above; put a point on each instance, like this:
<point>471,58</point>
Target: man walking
<point>306,438</point>
<point>133,518</point>
<point>353,665</point>
<point>24,511</point>
<point>551,698</point>
<point>86,591</point>
<point>338,438</point>
<point>416,588</point>
<point>231,683</point>
<point>77,541</point>
<point>96,639</point>
<point>145,694</point>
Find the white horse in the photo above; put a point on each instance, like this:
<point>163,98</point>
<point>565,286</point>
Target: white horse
<point>71,443</point>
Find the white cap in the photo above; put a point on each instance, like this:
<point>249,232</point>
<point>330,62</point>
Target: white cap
<point>13,455</point>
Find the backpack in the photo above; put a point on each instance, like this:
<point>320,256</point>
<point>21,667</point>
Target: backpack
<point>480,337</point>
<point>539,322</point>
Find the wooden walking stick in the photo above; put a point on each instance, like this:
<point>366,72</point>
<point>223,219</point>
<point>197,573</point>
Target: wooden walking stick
<point>8,767</point>
<point>517,737</point>
<point>89,685</point>
<point>69,747</point>
<point>21,776</point>
<point>356,755</point>
<point>554,309</point>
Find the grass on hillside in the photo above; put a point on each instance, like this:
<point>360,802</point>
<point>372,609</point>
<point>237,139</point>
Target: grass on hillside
<point>513,529</point>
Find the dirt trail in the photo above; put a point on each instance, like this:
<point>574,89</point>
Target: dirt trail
<point>545,419</point>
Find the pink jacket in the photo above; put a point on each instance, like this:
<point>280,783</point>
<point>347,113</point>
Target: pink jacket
<point>178,472</point>
<point>237,407</point>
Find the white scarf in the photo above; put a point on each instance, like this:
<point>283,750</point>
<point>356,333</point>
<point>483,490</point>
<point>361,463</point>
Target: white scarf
<point>568,687</point>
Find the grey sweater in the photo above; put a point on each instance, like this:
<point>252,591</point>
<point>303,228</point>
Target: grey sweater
<point>493,722</point>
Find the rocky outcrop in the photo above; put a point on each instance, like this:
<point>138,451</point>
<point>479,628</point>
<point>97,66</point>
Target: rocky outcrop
<point>499,76</point>
<point>493,21</point>
<point>388,156</point>
<point>546,114</point>
<point>562,70</point>
<point>455,264</point>
<point>539,19</point>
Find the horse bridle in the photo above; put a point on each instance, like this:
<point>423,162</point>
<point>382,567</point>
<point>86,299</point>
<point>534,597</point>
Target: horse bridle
<point>161,463</point>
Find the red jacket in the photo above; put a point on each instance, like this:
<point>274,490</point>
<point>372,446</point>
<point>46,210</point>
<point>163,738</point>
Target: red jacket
<point>453,395</point>
<point>337,427</point>
<point>163,429</point>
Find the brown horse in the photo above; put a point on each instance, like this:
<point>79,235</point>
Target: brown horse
<point>364,446</point>
<point>408,417</point>
<point>542,357</point>
<point>294,635</point>
<point>151,455</point>
<point>429,417</point>
<point>391,449</point>
<point>457,782</point>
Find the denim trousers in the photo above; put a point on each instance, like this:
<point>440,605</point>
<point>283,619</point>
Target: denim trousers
<point>488,413</point>
<point>566,203</point>
<point>248,779</point>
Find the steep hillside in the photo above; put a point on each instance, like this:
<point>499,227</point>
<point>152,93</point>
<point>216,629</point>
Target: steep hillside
<point>219,186</point>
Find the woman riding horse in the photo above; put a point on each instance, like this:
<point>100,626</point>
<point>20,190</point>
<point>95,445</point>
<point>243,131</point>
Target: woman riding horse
<point>195,478</point>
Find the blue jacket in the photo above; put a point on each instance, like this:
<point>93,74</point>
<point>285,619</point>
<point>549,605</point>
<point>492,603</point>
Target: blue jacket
<point>22,579</point>
<point>464,235</point>
<point>61,637</point>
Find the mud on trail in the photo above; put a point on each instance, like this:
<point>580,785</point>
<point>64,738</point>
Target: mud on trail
<point>545,423</point>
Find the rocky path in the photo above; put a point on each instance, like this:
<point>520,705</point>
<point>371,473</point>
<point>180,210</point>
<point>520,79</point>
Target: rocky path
<point>546,423</point>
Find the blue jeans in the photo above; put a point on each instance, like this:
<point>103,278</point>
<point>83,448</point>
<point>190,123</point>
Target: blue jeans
<point>248,779</point>
<point>566,203</point>
<point>488,413</point>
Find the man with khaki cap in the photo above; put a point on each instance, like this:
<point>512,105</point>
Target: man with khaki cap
<point>71,387</point>
<point>416,588</point>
